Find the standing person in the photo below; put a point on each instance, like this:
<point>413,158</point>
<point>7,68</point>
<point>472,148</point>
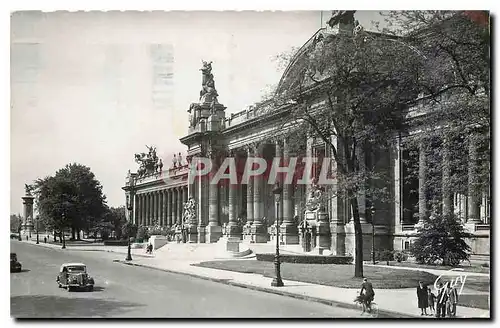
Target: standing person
<point>452,301</point>
<point>423,298</point>
<point>431,300</point>
<point>442,297</point>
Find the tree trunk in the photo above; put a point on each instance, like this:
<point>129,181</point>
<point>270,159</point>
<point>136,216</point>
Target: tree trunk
<point>78,234</point>
<point>73,230</point>
<point>358,237</point>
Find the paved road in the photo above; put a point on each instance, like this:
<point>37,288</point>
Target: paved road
<point>128,291</point>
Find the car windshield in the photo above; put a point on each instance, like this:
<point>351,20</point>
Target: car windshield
<point>75,268</point>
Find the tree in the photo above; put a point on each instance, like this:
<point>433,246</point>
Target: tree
<point>441,238</point>
<point>350,91</point>
<point>71,199</point>
<point>15,221</point>
<point>129,229</point>
<point>117,219</point>
<point>455,88</point>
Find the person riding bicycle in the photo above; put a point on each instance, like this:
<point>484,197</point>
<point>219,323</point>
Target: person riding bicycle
<point>368,295</point>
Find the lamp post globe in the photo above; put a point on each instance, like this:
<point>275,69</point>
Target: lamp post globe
<point>277,281</point>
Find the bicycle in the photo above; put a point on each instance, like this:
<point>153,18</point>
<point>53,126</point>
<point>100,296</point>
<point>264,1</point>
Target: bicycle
<point>372,310</point>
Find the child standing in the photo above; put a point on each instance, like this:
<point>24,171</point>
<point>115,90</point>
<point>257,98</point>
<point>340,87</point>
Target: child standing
<point>432,300</point>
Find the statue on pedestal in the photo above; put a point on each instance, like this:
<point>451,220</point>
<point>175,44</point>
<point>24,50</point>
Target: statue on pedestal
<point>174,162</point>
<point>316,199</point>
<point>208,92</point>
<point>28,189</point>
<point>148,163</point>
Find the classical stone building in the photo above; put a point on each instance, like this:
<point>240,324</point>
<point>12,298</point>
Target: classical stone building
<point>156,196</point>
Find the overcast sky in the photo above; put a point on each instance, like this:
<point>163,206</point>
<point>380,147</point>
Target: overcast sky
<point>95,88</point>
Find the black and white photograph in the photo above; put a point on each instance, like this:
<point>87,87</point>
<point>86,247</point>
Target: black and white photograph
<point>275,164</point>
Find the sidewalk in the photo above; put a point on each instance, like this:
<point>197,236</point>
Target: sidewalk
<point>395,302</point>
<point>97,248</point>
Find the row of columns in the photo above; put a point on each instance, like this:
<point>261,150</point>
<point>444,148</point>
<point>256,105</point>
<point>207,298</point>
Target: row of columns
<point>472,200</point>
<point>162,207</point>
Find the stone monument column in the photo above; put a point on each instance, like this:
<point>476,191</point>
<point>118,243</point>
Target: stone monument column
<point>447,192</point>
<point>259,230</point>
<point>28,199</point>
<point>214,230</point>
<point>474,198</point>
<point>288,228</point>
<point>233,228</point>
<point>422,172</point>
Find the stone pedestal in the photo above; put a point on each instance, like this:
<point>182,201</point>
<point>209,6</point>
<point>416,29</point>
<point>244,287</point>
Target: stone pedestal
<point>366,229</point>
<point>289,234</point>
<point>259,233</point>
<point>337,240</point>
<point>323,239</point>
<point>192,233</point>
<point>212,233</point>
<point>158,241</point>
<point>27,226</point>
<point>201,234</point>
<point>233,230</point>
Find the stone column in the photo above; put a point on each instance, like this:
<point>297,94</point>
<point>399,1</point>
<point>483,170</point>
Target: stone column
<point>398,183</point>
<point>447,192</point>
<point>184,197</point>
<point>259,231</point>
<point>143,210</point>
<point>179,205</point>
<point>473,197</point>
<point>337,212</point>
<point>279,154</point>
<point>422,175</point>
<point>232,226</point>
<point>250,214</point>
<point>170,220</point>
<point>164,207</point>
<point>136,210</point>
<point>214,230</point>
<point>360,153</point>
<point>288,229</point>
<point>202,203</point>
<point>155,207</point>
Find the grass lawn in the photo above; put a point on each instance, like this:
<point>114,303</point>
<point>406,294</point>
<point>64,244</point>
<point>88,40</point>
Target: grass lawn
<point>470,268</point>
<point>337,275</point>
<point>473,300</point>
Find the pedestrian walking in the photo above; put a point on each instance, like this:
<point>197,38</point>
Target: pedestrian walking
<point>422,296</point>
<point>441,299</point>
<point>431,300</point>
<point>451,303</point>
<point>45,240</point>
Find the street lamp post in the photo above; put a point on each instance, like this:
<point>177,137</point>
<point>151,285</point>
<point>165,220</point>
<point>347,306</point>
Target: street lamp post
<point>373,233</point>
<point>62,231</point>
<point>277,282</point>
<point>130,208</point>
<point>37,227</point>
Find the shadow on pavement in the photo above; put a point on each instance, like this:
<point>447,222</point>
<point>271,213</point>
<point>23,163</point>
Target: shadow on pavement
<point>22,270</point>
<point>40,307</point>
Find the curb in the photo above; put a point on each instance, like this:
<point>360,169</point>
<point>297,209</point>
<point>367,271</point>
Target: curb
<point>71,248</point>
<point>272,291</point>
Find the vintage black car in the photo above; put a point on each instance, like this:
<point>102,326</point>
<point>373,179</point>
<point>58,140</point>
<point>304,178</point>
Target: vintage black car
<point>73,276</point>
<point>15,266</point>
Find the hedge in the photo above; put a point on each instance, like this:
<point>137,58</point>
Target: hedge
<point>115,243</point>
<point>317,259</point>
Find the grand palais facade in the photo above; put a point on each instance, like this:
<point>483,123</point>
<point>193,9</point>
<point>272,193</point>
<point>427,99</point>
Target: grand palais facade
<point>158,196</point>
